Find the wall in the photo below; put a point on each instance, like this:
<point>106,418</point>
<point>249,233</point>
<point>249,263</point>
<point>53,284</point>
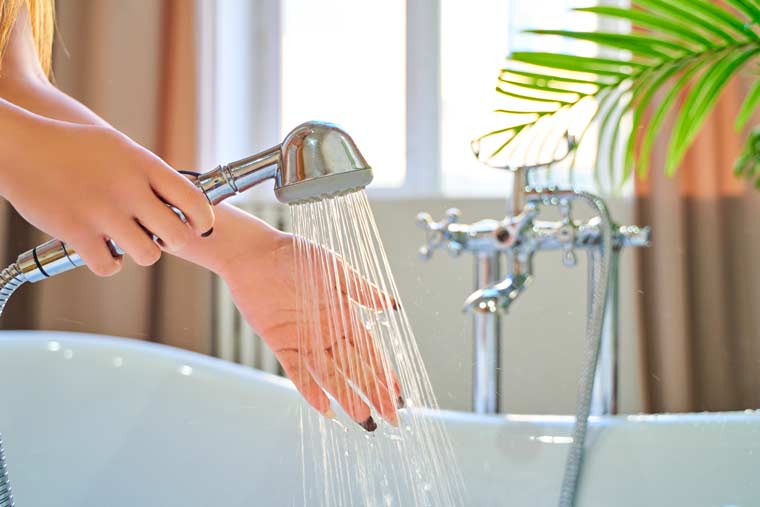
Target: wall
<point>543,334</point>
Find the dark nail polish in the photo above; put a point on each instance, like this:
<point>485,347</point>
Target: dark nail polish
<point>208,233</point>
<point>394,305</point>
<point>400,402</point>
<point>369,424</point>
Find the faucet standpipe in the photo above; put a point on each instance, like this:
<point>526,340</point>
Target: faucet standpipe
<point>518,237</point>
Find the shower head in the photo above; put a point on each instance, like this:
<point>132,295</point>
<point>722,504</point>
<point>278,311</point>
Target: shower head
<point>319,160</point>
<point>316,160</point>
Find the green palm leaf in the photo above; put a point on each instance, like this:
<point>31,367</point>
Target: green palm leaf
<point>680,49</point>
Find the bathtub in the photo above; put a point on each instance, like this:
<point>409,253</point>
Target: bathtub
<point>99,421</point>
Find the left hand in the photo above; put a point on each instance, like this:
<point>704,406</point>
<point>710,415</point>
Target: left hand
<point>344,362</point>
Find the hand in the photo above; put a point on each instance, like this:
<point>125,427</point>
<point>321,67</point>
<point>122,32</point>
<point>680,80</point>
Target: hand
<point>339,359</point>
<point>86,184</point>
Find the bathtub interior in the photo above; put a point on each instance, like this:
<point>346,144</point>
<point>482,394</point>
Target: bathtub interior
<point>93,421</point>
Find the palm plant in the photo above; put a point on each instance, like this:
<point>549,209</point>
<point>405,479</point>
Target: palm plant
<point>677,50</point>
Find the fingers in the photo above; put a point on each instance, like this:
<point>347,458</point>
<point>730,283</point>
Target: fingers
<point>136,243</point>
<point>368,379</point>
<point>364,292</point>
<point>297,371</point>
<point>327,373</point>
<point>369,352</point>
<point>367,346</point>
<point>178,191</point>
<point>159,219</point>
<point>96,255</point>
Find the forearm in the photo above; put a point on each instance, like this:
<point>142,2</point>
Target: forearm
<point>215,252</point>
<point>23,133</point>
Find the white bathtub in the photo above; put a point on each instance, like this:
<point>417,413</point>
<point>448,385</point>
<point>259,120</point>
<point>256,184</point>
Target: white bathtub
<point>97,421</point>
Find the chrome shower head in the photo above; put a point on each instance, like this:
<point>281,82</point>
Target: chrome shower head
<point>319,160</point>
<point>316,160</point>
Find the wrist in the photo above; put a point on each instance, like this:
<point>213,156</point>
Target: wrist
<point>255,248</point>
<point>239,240</point>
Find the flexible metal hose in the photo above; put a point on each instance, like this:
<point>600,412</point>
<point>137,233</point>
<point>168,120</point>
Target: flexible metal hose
<point>594,331</point>
<point>6,497</point>
<point>11,279</point>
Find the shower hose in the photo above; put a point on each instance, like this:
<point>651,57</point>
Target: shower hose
<point>6,498</point>
<point>11,279</point>
<point>594,330</point>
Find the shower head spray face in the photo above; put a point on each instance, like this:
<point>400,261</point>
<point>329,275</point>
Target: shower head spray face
<point>319,160</point>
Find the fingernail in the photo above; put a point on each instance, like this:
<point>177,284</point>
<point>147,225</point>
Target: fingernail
<point>208,233</point>
<point>394,305</point>
<point>330,414</point>
<point>369,424</point>
<point>400,402</point>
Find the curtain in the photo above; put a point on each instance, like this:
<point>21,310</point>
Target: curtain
<point>699,286</point>
<point>133,63</point>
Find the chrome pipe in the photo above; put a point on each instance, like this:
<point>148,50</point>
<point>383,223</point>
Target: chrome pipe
<point>487,346</point>
<point>229,179</point>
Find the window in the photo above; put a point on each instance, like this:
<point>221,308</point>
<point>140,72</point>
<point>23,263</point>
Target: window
<point>412,81</point>
<point>345,62</point>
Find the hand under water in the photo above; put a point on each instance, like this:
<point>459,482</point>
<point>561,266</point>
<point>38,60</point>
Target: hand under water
<point>344,366</point>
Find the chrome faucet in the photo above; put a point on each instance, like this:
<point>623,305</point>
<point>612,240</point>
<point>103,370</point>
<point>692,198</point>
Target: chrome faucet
<point>517,238</point>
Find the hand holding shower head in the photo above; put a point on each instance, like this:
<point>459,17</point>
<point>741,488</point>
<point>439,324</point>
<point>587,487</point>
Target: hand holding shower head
<point>315,161</point>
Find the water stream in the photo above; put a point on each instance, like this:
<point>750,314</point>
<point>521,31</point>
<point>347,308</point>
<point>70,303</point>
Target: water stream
<point>362,350</point>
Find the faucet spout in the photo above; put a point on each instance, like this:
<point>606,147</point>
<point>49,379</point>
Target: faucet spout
<point>497,297</point>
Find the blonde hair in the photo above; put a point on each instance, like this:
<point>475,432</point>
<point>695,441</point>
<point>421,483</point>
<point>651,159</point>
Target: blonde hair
<point>42,16</point>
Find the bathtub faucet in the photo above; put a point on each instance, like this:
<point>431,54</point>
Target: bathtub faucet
<point>516,239</point>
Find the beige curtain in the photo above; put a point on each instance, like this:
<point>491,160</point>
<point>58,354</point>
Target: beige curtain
<point>133,63</point>
<point>700,283</point>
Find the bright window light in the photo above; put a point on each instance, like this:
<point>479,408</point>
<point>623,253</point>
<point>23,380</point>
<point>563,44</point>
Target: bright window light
<point>345,62</point>
<point>476,36</point>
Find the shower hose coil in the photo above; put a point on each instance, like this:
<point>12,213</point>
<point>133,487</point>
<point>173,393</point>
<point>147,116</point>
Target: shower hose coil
<point>11,278</point>
<point>6,497</point>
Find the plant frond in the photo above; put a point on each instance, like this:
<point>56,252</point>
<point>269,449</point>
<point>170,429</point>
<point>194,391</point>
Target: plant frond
<point>700,101</point>
<point>543,87</point>
<point>640,45</point>
<point>660,114</point>
<point>550,77</point>
<point>584,64</point>
<point>719,17</point>
<point>656,24</point>
<point>748,106</point>
<point>533,98</point>
<point>688,48</point>
<point>747,8</point>
<point>748,163</point>
<point>673,11</point>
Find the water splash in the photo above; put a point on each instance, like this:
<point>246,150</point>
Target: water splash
<point>351,320</point>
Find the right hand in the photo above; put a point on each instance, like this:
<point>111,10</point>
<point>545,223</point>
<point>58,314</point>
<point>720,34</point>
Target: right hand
<point>84,185</point>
